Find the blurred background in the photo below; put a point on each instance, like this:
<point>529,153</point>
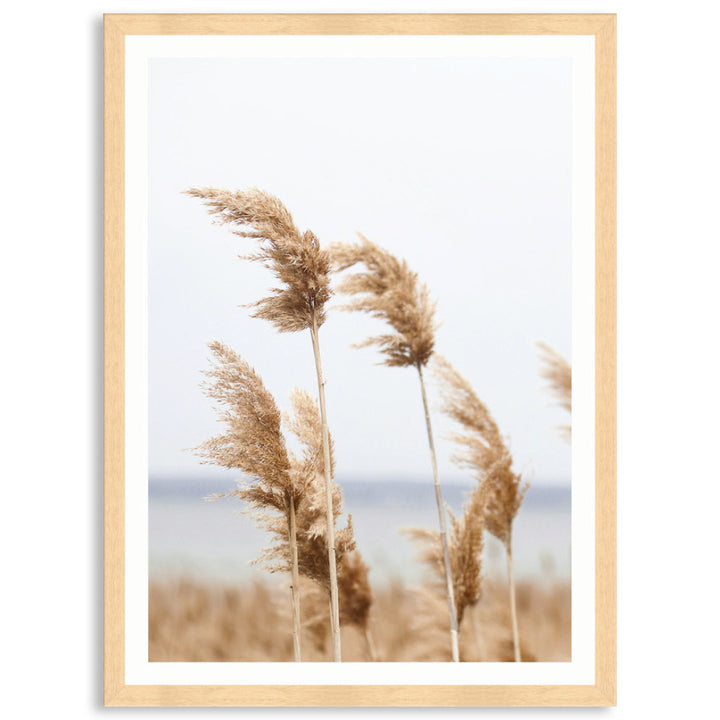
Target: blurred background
<point>462,166</point>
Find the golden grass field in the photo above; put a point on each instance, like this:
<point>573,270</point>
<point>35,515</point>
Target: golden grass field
<point>194,622</point>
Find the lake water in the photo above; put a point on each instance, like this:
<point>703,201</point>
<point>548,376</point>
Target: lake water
<point>215,541</point>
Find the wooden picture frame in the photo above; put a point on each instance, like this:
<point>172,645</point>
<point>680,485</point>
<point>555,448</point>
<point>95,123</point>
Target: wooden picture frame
<point>601,692</point>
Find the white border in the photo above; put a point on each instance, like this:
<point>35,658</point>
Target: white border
<point>581,670</point>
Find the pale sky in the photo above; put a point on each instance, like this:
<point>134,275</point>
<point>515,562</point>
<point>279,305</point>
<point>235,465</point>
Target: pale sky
<point>461,166</point>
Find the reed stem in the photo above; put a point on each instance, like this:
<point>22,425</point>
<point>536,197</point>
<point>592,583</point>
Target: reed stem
<point>334,604</point>
<point>443,528</point>
<point>295,587</point>
<point>513,608</point>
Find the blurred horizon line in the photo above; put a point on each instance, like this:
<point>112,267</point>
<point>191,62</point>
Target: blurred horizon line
<point>356,488</point>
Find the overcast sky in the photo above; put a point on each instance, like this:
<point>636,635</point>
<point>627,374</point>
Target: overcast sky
<point>461,166</point>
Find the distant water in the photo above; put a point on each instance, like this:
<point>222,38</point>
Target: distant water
<point>216,541</point>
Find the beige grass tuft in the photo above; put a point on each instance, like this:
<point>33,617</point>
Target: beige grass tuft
<point>302,481</point>
<point>485,453</point>
<point>284,492</point>
<point>482,450</point>
<point>558,373</point>
<point>465,543</point>
<point>254,444</point>
<point>253,441</point>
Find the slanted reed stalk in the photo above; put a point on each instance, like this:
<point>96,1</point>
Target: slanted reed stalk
<point>447,565</point>
<point>484,451</point>
<point>390,291</point>
<point>558,373</point>
<point>255,445</point>
<point>332,560</point>
<point>302,268</point>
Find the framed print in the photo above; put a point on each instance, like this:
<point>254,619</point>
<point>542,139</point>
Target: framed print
<point>359,360</point>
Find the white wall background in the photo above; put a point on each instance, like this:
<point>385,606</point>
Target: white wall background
<point>669,354</point>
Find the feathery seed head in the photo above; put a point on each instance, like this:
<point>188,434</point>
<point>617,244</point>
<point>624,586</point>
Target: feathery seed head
<point>355,596</point>
<point>282,487</point>
<point>465,547</point>
<point>557,371</point>
<point>388,290</point>
<point>306,424</point>
<point>307,488</point>
<point>294,258</point>
<point>253,441</point>
<point>482,450</point>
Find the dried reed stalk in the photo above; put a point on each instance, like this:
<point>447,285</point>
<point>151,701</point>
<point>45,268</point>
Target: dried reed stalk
<point>558,373</point>
<point>295,587</point>
<point>484,451</point>
<point>389,290</point>
<point>254,444</point>
<point>302,268</point>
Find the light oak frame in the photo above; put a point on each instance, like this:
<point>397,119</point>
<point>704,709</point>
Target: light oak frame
<point>603,691</point>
